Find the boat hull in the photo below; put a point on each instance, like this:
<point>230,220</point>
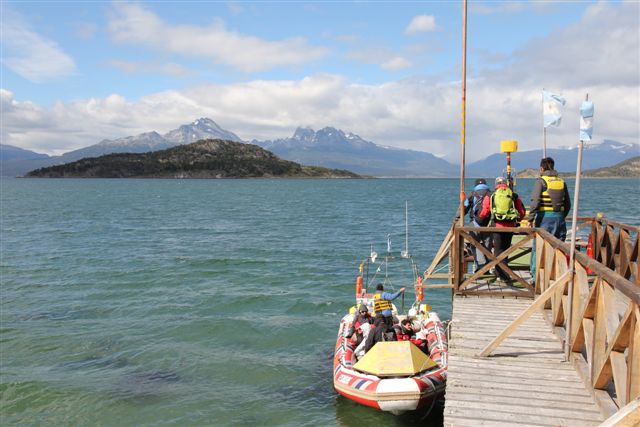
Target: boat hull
<point>398,394</point>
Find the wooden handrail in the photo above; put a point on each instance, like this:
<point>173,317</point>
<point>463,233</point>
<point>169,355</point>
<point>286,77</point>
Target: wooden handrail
<point>616,280</point>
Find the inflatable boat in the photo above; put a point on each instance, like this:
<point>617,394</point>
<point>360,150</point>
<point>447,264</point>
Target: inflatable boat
<point>393,376</point>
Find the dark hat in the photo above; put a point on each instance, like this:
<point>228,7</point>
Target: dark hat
<point>480,181</point>
<point>379,287</point>
<point>363,308</point>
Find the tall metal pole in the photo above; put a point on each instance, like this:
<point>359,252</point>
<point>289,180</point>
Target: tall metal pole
<point>544,131</point>
<point>572,253</point>
<point>463,111</point>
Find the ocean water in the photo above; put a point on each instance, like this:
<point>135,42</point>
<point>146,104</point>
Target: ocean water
<point>205,302</point>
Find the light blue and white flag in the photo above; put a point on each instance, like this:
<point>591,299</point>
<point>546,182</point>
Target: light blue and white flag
<point>388,242</point>
<point>586,121</point>
<point>551,104</point>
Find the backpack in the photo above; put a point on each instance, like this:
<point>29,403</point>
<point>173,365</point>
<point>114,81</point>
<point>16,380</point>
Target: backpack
<point>503,206</point>
<point>476,206</point>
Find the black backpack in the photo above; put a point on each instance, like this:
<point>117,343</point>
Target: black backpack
<point>476,207</point>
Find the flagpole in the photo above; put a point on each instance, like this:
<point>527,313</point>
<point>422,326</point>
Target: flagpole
<point>544,131</point>
<point>574,220</point>
<point>463,110</point>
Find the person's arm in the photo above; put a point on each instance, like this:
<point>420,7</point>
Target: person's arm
<point>520,209</point>
<point>536,194</point>
<point>468,203</point>
<point>567,201</point>
<point>388,296</point>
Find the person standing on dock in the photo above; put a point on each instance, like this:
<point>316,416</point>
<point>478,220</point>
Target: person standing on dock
<point>506,209</point>
<point>550,201</point>
<point>382,305</point>
<point>473,205</point>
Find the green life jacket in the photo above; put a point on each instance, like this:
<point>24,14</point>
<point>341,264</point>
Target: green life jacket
<point>503,206</point>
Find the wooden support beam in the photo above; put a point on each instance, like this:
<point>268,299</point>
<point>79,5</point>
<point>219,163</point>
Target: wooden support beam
<point>628,416</point>
<point>495,261</point>
<point>537,304</point>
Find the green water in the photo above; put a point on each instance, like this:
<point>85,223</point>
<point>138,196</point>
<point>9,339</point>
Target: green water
<point>203,302</point>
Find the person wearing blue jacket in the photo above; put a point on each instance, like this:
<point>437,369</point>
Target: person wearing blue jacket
<point>473,205</point>
<point>382,305</point>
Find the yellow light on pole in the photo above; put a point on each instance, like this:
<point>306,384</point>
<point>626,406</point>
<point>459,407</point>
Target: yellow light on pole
<point>509,146</point>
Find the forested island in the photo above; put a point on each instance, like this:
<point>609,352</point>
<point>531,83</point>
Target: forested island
<point>629,168</point>
<point>211,158</point>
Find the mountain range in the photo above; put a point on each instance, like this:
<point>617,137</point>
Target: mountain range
<point>327,147</point>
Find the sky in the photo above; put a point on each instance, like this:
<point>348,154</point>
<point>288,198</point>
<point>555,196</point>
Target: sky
<point>76,72</point>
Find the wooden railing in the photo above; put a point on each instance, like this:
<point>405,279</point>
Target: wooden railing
<point>605,317</point>
<point>603,314</point>
<point>615,245</point>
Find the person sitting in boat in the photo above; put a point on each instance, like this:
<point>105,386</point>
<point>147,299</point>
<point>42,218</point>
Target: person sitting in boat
<point>382,305</point>
<point>406,332</point>
<point>382,332</point>
<point>363,317</point>
<point>358,352</point>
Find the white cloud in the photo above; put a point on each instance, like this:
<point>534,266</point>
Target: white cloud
<point>131,23</point>
<point>132,67</point>
<point>31,55</point>
<point>418,113</point>
<point>421,24</point>
<point>385,58</point>
<point>396,63</point>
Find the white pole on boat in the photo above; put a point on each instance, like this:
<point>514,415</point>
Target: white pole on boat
<point>463,110</point>
<point>574,220</point>
<point>406,229</point>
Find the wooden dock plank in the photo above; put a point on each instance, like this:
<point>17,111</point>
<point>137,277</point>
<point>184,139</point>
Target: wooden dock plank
<point>525,381</point>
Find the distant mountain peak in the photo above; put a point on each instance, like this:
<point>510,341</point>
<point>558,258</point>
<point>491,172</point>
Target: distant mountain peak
<point>304,134</point>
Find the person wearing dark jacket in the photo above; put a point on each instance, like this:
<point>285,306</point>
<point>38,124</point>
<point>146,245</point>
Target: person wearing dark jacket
<point>381,332</point>
<point>361,318</point>
<point>550,201</point>
<point>473,205</point>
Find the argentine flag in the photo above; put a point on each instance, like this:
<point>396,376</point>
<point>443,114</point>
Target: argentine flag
<point>586,121</point>
<point>551,104</point>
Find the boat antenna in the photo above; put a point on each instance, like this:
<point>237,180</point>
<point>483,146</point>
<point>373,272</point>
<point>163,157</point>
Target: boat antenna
<point>405,253</point>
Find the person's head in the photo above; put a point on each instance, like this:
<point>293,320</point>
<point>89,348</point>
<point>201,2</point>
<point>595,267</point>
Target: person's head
<point>501,181</point>
<point>480,181</point>
<point>363,309</point>
<point>547,164</point>
<point>406,323</point>
<point>379,287</point>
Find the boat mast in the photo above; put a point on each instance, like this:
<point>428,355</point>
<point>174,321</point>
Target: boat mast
<point>463,112</point>
<point>405,254</point>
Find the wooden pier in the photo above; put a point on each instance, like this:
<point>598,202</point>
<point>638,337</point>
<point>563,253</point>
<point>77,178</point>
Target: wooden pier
<point>525,382</point>
<point>512,361</point>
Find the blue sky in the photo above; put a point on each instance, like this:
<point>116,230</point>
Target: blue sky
<point>74,73</point>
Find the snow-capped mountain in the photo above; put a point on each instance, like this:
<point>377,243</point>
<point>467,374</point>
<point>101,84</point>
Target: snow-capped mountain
<point>148,141</point>
<point>594,156</point>
<point>200,129</point>
<point>152,141</point>
<point>333,148</point>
